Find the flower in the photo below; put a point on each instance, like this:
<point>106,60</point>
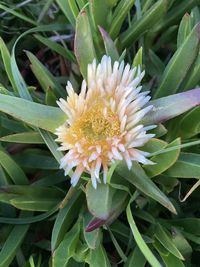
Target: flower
<point>103,122</point>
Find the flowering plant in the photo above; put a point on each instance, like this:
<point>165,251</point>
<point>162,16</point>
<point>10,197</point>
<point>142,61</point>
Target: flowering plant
<point>93,175</point>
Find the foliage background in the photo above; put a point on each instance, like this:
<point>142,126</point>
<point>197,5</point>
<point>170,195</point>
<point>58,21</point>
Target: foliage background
<point>149,216</point>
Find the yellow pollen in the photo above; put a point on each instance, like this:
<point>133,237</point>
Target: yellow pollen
<point>95,125</point>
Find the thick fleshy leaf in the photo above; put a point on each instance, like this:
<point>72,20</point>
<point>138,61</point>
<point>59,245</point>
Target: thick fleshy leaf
<point>98,257</point>
<point>141,181</point>
<point>136,258</point>
<point>7,62</point>
<point>189,125</point>
<point>110,47</point>
<point>36,198</point>
<point>184,29</point>
<point>192,78</point>
<point>140,241</point>
<point>36,159</point>
<point>65,7</point>
<point>41,116</point>
<point>167,242</point>
<point>187,166</point>
<point>137,61</point>
<point>83,43</point>
<point>99,12</point>
<point>168,107</point>
<point>175,14</point>
<point>104,202</point>
<point>163,161</point>
<point>23,138</point>
<point>178,66</point>
<point>119,15</point>
<point>93,238</point>
<point>149,19</point>
<point>190,225</point>
<point>15,172</point>
<point>64,219</point>
<point>171,261</point>
<point>67,247</point>
<point>12,244</point>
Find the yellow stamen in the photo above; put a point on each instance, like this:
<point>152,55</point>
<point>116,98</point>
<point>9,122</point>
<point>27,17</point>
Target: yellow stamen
<point>95,125</point>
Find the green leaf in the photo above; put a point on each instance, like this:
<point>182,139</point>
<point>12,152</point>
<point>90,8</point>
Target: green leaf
<point>83,44</point>
<point>147,21</point>
<point>166,241</point>
<point>184,29</point>
<point>12,244</point>
<point>179,64</point>
<point>73,7</point>
<point>189,125</point>
<point>3,178</point>
<point>65,7</point>
<point>35,198</point>
<point>63,51</point>
<point>171,261</point>
<point>36,159</point>
<point>19,15</point>
<point>23,138</point>
<point>99,12</point>
<point>93,238</point>
<point>154,145</point>
<point>104,202</point>
<point>51,144</point>
<point>137,61</point>
<point>110,47</point>
<point>192,79</point>
<point>12,168</point>
<point>189,224</point>
<point>45,117</point>
<point>67,247</point>
<point>50,98</point>
<point>98,257</point>
<point>119,16</point>
<point>181,243</point>
<point>136,258</point>
<point>187,166</point>
<point>139,240</point>
<point>175,14</point>
<point>26,220</point>
<point>7,62</point>
<point>168,107</point>
<point>33,203</point>
<point>156,66</point>
<point>64,219</point>
<point>163,161</point>
<point>140,180</point>
<point>45,78</point>
<point>160,130</point>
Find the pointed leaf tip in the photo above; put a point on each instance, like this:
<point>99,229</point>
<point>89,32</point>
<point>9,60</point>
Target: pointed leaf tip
<point>110,47</point>
<point>168,107</point>
<point>94,224</point>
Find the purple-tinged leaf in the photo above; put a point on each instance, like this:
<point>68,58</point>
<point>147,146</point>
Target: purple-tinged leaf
<point>110,47</point>
<point>105,204</point>
<point>94,224</point>
<point>168,107</point>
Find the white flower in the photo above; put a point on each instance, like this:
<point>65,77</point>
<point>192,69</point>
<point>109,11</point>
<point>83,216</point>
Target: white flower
<point>103,121</point>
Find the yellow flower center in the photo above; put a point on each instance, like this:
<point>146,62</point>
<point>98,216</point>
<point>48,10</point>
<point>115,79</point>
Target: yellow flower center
<point>96,124</point>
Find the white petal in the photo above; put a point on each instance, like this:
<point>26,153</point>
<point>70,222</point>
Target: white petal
<point>76,175</point>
